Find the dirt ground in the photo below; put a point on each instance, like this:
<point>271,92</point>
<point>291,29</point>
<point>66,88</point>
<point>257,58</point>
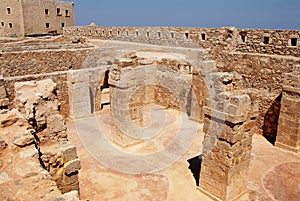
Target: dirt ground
<point>274,173</point>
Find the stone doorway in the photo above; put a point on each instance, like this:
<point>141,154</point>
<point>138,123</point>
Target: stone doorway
<point>105,91</point>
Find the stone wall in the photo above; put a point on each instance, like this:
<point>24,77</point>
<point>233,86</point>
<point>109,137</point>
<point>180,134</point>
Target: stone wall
<point>36,62</point>
<point>262,74</point>
<point>281,42</point>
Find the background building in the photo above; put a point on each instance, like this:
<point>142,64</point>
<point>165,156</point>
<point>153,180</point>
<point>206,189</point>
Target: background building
<point>34,17</point>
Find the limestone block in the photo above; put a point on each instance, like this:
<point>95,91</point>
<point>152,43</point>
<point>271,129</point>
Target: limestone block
<point>56,123</point>
<point>9,120</point>
<point>72,167</point>
<point>28,169</point>
<point>69,153</point>
<point>28,152</point>
<point>69,180</point>
<point>25,138</point>
<point>71,196</point>
<point>77,76</point>
<point>124,62</point>
<point>207,67</point>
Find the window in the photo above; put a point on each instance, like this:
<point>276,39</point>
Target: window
<point>2,23</point>
<point>8,10</point>
<point>137,33</point>
<point>294,42</point>
<point>186,35</point>
<point>10,25</point>
<point>67,13</point>
<point>110,33</point>
<point>203,36</point>
<point>172,35</point>
<point>148,34</point>
<point>266,40</point>
<point>159,34</point>
<point>62,25</point>
<point>58,11</point>
<point>127,33</point>
<point>118,33</point>
<point>46,11</point>
<point>47,25</point>
<point>243,36</point>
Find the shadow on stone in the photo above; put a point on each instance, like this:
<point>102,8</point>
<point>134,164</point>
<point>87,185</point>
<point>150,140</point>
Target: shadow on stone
<point>195,167</point>
<point>271,120</point>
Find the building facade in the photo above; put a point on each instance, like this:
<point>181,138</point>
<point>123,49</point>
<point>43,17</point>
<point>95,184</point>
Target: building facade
<point>34,17</point>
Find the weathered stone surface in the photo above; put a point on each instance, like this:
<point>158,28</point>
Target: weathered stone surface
<point>71,196</point>
<point>288,136</point>
<point>25,138</point>
<point>29,152</point>
<point>72,167</point>
<point>69,153</point>
<point>4,177</point>
<point>227,143</point>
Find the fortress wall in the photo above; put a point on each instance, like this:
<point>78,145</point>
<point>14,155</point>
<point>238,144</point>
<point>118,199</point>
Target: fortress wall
<point>169,36</point>
<point>280,42</point>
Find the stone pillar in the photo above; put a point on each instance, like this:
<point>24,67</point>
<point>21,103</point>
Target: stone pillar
<point>229,117</point>
<point>127,101</point>
<point>288,136</point>
<point>79,94</point>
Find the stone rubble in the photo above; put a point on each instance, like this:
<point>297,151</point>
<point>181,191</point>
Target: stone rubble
<point>23,147</point>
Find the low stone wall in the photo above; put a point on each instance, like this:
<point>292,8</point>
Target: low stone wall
<point>37,62</point>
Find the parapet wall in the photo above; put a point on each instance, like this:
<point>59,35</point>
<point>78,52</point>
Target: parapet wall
<point>280,42</point>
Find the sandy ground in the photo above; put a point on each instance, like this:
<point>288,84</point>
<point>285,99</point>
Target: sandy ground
<point>274,173</point>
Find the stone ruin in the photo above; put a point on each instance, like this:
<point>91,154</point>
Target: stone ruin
<point>39,137</point>
<point>230,117</point>
<point>34,144</point>
<point>289,125</point>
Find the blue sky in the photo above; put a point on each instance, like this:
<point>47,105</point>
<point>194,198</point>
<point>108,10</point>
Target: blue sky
<point>272,14</point>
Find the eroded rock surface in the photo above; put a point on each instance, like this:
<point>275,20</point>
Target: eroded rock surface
<point>36,162</point>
